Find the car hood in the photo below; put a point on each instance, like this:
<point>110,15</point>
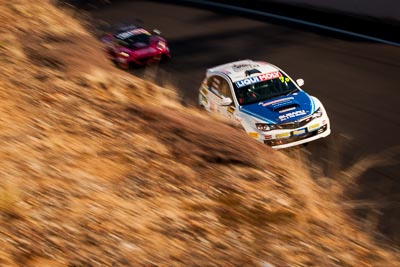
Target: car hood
<point>141,48</point>
<point>282,109</point>
<point>141,52</point>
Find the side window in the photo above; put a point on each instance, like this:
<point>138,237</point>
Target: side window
<point>219,86</point>
<point>213,85</point>
<point>225,89</point>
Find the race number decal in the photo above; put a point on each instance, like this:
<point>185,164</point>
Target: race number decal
<point>284,79</point>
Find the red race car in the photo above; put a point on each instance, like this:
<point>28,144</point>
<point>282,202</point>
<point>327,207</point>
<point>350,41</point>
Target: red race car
<point>133,45</point>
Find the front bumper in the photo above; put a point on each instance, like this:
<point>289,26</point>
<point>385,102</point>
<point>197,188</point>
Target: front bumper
<point>315,129</point>
<point>142,60</point>
<point>324,131</point>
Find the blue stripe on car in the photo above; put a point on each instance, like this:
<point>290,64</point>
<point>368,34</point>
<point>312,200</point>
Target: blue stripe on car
<point>312,105</point>
<point>257,116</point>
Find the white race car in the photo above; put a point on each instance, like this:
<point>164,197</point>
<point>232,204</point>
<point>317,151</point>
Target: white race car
<point>269,105</point>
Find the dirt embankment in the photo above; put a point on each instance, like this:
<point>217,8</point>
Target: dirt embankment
<point>99,168</point>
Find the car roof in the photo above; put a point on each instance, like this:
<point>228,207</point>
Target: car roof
<point>241,69</point>
<point>129,31</point>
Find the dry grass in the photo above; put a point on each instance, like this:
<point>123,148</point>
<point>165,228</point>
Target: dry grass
<point>9,201</point>
<point>98,175</point>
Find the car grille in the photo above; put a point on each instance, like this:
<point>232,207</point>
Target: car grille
<point>293,125</point>
<point>291,139</point>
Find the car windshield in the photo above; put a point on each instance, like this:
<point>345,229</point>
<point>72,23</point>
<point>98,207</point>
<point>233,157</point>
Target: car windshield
<point>259,88</point>
<point>136,41</point>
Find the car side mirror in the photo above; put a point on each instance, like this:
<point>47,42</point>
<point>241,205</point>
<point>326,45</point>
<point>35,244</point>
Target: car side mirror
<point>157,31</point>
<point>300,82</point>
<point>226,101</point>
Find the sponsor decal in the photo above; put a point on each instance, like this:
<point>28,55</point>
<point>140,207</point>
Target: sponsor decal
<point>227,72</point>
<point>247,81</point>
<point>128,34</point>
<point>230,109</point>
<point>268,136</point>
<point>270,76</point>
<point>259,78</point>
<point>313,127</point>
<point>276,101</point>
<point>287,110</point>
<point>242,67</point>
<point>282,135</point>
<point>253,134</point>
<point>292,115</point>
<point>299,132</point>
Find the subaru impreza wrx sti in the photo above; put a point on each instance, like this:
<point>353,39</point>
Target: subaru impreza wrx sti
<point>266,102</point>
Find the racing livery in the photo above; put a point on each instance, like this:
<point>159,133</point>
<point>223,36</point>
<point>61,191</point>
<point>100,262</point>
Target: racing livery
<point>266,102</point>
<point>132,45</point>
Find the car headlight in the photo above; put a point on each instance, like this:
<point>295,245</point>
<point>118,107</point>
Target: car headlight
<point>124,54</point>
<point>161,45</point>
<point>264,127</point>
<point>317,113</point>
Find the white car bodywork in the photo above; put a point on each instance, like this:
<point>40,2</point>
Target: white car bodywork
<point>297,117</point>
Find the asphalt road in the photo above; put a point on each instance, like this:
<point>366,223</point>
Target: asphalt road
<point>357,80</point>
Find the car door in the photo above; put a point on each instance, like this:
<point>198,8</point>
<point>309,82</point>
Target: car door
<point>218,91</point>
<point>227,110</point>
